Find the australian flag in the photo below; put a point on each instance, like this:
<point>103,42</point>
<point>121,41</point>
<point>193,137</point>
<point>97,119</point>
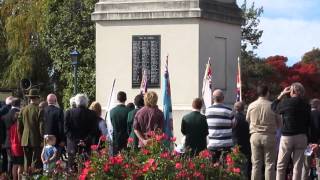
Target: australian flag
<point>167,105</point>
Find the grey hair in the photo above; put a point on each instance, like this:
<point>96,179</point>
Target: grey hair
<point>81,100</point>
<point>298,88</point>
<point>72,102</point>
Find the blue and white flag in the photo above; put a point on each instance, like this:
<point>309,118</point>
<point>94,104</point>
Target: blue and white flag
<point>167,105</point>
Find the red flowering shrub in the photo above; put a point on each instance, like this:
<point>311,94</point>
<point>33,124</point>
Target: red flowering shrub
<point>158,161</point>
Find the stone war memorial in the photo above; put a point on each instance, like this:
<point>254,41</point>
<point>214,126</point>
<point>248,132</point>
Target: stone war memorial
<point>133,36</point>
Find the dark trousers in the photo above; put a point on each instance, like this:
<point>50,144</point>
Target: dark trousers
<point>32,158</point>
<point>4,167</point>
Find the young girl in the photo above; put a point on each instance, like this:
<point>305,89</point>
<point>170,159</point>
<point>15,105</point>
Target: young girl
<point>49,153</point>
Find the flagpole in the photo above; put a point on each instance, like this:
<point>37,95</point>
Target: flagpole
<point>208,64</point>
<point>112,89</point>
<point>239,71</point>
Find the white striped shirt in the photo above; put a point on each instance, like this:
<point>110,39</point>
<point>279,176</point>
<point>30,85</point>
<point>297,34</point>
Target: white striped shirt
<point>219,118</point>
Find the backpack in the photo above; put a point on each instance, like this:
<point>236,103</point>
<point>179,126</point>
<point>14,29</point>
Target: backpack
<point>15,140</point>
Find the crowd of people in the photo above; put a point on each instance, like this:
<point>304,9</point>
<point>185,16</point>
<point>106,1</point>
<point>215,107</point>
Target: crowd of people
<point>271,134</point>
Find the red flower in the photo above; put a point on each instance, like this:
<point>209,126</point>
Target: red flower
<point>164,136</point>
<point>151,133</point>
<point>202,166</point>
<point>164,155</point>
<point>198,175</point>
<point>84,173</point>
<point>118,159</point>
<point>236,170</point>
<point>145,151</point>
<point>106,167</point>
<point>130,140</point>
<point>103,138</point>
<point>158,138</point>
<point>191,165</point>
<point>151,161</point>
<point>235,150</point>
<point>229,160</point>
<point>178,166</point>
<point>87,164</point>
<point>173,139</point>
<point>146,167</point>
<point>206,154</point>
<point>94,147</point>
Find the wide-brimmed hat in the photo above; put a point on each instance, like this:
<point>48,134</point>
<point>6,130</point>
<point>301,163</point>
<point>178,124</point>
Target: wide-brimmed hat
<point>33,93</point>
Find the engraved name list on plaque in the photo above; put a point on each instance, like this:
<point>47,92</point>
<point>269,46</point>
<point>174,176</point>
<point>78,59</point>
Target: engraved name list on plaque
<point>146,57</point>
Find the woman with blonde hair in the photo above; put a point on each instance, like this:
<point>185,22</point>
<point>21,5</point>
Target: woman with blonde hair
<point>148,118</point>
<point>96,107</point>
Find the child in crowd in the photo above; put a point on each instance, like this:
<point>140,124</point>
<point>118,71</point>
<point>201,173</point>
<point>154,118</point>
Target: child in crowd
<point>49,154</point>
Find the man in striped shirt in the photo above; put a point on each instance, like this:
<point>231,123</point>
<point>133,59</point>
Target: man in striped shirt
<point>219,119</point>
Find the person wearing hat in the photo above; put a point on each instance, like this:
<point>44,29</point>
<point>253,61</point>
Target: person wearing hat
<point>30,127</point>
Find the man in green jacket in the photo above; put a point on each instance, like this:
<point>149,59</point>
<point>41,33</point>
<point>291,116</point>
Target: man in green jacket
<point>194,126</point>
<point>139,103</point>
<point>119,116</point>
<point>30,127</point>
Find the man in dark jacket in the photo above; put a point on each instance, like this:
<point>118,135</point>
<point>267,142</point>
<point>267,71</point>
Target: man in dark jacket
<point>139,103</point>
<point>53,120</point>
<point>194,126</point>
<point>3,111</point>
<point>241,135</point>
<point>80,125</point>
<point>119,116</point>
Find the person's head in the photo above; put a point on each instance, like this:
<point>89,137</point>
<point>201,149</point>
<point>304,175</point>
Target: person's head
<point>239,106</point>
<point>52,99</point>
<point>96,107</point>
<point>150,99</point>
<point>138,101</point>
<point>297,89</point>
<point>72,102</point>
<point>263,91</point>
<point>81,100</point>
<point>197,103</point>
<point>315,104</point>
<point>16,102</point>
<point>50,140</point>
<point>34,96</point>
<point>130,106</point>
<point>121,97</point>
<point>43,104</point>
<point>9,100</point>
<point>218,96</point>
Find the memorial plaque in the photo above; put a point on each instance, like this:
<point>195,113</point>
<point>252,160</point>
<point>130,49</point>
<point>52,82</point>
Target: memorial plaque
<point>146,57</point>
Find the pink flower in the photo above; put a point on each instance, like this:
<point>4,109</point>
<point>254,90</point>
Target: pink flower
<point>191,165</point>
<point>229,160</point>
<point>236,170</point>
<point>130,140</point>
<point>235,150</point>
<point>202,166</point>
<point>164,136</point>
<point>145,151</point>
<point>178,166</point>
<point>164,155</point>
<point>87,164</point>
<point>94,147</point>
<point>106,167</point>
<point>206,154</point>
<point>103,138</point>
<point>158,138</point>
<point>151,161</point>
<point>173,139</point>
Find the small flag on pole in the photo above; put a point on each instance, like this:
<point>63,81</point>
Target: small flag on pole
<point>207,85</point>
<point>167,105</point>
<point>112,102</point>
<point>144,83</point>
<point>239,91</point>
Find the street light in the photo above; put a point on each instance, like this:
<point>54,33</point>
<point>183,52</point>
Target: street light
<point>74,62</point>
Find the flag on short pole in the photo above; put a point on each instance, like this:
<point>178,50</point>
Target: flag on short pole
<point>239,91</point>
<point>167,105</point>
<point>112,102</point>
<point>207,85</point>
<point>144,83</point>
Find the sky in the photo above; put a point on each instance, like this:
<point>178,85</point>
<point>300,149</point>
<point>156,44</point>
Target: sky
<point>290,27</point>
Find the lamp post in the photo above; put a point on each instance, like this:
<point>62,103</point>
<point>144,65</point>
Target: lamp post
<point>74,62</point>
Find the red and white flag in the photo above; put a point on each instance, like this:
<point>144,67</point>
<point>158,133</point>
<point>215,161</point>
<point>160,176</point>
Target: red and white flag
<point>144,83</point>
<point>239,91</point>
<point>207,86</point>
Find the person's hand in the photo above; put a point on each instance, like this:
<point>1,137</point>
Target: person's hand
<point>285,91</point>
<point>62,144</point>
<point>45,162</point>
<point>314,147</point>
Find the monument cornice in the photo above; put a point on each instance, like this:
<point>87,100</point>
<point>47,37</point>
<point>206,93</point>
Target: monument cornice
<point>117,10</point>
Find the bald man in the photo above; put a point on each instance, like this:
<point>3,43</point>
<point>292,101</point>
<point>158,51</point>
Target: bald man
<point>53,119</point>
<point>219,119</point>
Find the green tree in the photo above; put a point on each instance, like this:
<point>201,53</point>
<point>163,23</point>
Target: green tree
<point>68,26</point>
<point>250,33</point>
<point>25,56</point>
<point>312,56</point>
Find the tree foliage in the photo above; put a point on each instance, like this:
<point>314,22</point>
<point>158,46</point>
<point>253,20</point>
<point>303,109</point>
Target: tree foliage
<point>68,26</point>
<point>24,55</point>
<point>312,56</point>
